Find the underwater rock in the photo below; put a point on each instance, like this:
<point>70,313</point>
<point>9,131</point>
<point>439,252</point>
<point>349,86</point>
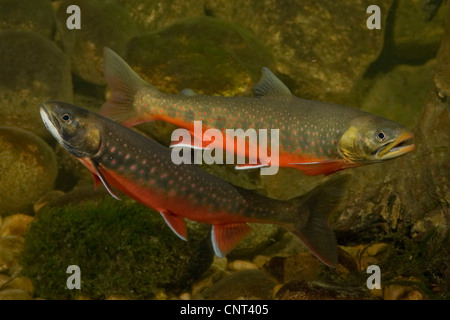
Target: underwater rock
<point>14,294</point>
<point>322,47</point>
<point>11,248</point>
<point>36,15</point>
<point>70,170</point>
<point>15,225</point>
<point>102,24</point>
<point>121,247</point>
<point>242,285</point>
<point>226,60</point>
<point>217,270</point>
<point>27,170</point>
<point>34,70</point>
<point>371,254</point>
<point>303,266</point>
<point>20,283</point>
<point>155,14</point>
<point>309,290</point>
<point>83,192</point>
<point>405,202</point>
<point>4,279</point>
<point>404,289</point>
<point>240,265</point>
<point>261,237</point>
<point>401,93</point>
<point>414,36</point>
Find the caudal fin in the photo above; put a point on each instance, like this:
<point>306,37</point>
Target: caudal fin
<point>314,231</point>
<point>124,83</point>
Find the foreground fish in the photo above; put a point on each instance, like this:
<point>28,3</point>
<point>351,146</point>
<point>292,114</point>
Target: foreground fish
<point>315,137</point>
<point>123,159</point>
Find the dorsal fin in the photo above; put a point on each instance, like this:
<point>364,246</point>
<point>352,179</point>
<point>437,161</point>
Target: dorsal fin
<point>270,85</point>
<point>188,92</point>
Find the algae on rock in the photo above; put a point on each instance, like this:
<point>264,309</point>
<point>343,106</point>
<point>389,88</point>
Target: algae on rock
<point>121,247</point>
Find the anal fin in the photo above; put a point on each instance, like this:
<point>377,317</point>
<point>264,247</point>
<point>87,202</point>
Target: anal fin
<point>176,224</point>
<point>225,236</point>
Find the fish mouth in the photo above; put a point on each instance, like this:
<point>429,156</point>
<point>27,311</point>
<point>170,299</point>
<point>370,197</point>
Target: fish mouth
<point>402,145</point>
<point>50,122</point>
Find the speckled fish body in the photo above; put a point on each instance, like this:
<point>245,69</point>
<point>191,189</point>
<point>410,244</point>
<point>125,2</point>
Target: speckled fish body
<point>127,161</point>
<point>314,137</point>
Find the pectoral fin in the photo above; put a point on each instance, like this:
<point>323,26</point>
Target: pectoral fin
<point>225,236</point>
<point>98,175</point>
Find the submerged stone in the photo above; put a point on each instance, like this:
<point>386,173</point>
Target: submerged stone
<point>155,14</point>
<point>27,170</point>
<point>415,34</point>
<point>261,237</point>
<point>225,60</point>
<point>312,290</point>
<point>34,70</point>
<point>302,266</point>
<point>121,247</point>
<point>401,93</point>
<point>36,15</point>
<point>15,225</point>
<point>103,23</point>
<point>247,285</point>
<point>323,48</point>
<point>11,248</point>
<point>15,294</point>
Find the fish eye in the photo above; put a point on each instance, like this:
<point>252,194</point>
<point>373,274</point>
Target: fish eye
<point>67,118</point>
<point>380,135</point>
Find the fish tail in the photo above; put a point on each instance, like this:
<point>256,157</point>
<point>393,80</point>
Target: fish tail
<point>314,231</point>
<point>124,83</point>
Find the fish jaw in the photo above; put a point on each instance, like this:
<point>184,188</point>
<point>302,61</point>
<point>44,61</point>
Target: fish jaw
<point>50,123</point>
<point>396,148</point>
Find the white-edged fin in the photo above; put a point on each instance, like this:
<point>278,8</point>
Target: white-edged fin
<point>307,163</point>
<point>103,180</point>
<point>188,92</point>
<point>186,145</point>
<point>250,166</point>
<point>225,236</point>
<point>270,85</point>
<point>176,224</point>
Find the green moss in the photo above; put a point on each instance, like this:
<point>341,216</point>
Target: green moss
<point>121,247</point>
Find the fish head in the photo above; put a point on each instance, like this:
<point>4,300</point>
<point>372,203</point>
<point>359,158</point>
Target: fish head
<point>73,127</point>
<point>370,138</point>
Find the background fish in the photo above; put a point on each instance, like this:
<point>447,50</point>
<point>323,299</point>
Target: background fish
<point>125,160</point>
<point>315,137</point>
